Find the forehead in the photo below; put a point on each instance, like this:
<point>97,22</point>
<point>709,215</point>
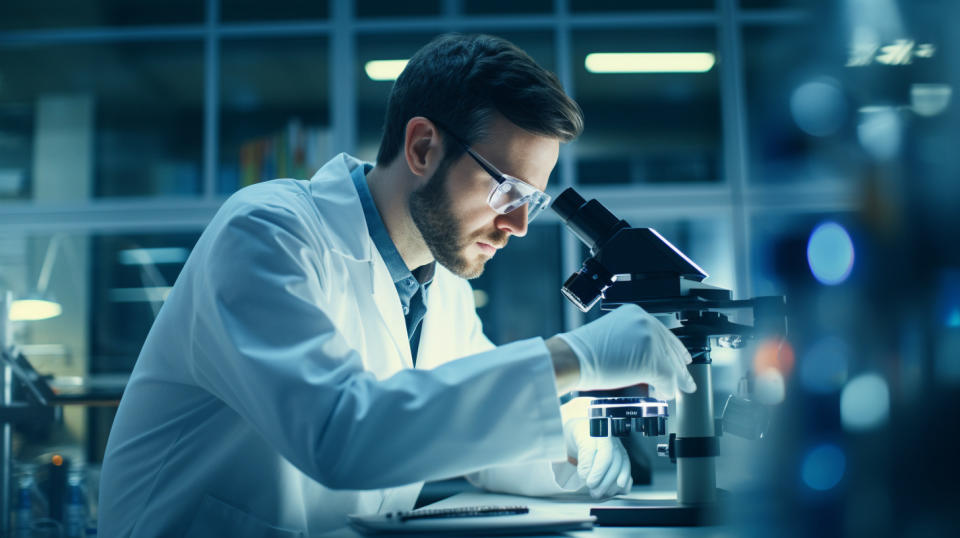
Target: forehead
<point>527,156</point>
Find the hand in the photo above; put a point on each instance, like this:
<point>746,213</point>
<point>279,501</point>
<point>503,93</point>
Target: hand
<point>602,462</point>
<point>627,347</point>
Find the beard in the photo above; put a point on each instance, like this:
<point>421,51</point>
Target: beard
<point>430,208</point>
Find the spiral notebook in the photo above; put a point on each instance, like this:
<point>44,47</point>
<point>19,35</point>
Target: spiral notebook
<point>466,520</point>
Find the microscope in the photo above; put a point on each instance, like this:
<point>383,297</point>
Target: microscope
<point>639,266</point>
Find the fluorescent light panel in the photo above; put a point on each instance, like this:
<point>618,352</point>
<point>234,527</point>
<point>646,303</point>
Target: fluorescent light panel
<point>383,70</point>
<point>34,309</point>
<point>144,256</point>
<point>136,295</point>
<point>649,62</point>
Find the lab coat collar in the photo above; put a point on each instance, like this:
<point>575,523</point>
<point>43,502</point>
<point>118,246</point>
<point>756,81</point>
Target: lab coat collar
<point>339,207</point>
<point>332,188</point>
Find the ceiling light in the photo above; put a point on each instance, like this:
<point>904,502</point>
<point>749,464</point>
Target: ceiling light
<point>34,309</point>
<point>144,256</point>
<point>382,70</point>
<point>649,62</point>
<point>39,304</point>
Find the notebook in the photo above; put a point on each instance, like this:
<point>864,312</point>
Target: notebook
<point>467,520</point>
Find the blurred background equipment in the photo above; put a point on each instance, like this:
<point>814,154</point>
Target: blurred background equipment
<point>37,304</point>
<point>51,497</point>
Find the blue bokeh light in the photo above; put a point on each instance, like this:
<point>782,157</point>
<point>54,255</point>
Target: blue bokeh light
<point>830,253</point>
<point>819,107</point>
<point>823,467</point>
<point>953,318</point>
<point>865,402</point>
<point>949,298</point>
<point>823,368</point>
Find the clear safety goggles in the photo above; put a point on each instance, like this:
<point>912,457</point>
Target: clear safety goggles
<point>508,193</point>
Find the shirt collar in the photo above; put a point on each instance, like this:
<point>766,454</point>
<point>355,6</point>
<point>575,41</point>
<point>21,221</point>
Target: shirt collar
<point>381,238</point>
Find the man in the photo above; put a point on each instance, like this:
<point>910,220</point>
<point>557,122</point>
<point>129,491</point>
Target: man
<point>320,354</point>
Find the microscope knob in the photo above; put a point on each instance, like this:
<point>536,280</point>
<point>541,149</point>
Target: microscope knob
<point>598,427</point>
<point>620,427</point>
<point>653,426</point>
<point>668,449</point>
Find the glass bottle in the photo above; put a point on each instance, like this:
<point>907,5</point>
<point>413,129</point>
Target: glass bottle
<point>75,502</point>
<point>30,503</point>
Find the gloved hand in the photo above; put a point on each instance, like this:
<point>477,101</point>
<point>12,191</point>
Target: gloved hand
<point>602,462</point>
<point>629,346</point>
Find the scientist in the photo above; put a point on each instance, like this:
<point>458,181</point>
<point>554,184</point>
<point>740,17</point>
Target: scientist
<point>320,353</point>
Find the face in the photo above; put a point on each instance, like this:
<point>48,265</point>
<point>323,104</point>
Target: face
<point>451,212</point>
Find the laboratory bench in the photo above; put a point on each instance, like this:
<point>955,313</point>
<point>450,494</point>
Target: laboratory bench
<point>459,493</point>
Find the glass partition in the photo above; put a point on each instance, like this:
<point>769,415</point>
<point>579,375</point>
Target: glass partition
<point>101,120</point>
<point>379,8</point>
<point>620,6</point>
<point>518,295</point>
<point>649,118</point>
<point>505,7</point>
<point>131,276</point>
<point>774,4</point>
<point>26,14</point>
<point>274,110</point>
<point>275,10</point>
<point>800,116</point>
<point>107,289</point>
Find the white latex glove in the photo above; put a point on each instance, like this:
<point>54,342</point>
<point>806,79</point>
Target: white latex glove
<point>602,462</point>
<point>627,347</point>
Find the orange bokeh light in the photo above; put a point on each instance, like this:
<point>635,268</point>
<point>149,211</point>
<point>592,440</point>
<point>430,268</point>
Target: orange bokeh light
<point>774,353</point>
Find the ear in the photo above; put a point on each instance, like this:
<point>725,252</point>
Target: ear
<point>422,146</point>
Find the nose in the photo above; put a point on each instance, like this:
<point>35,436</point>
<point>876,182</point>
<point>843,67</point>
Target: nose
<point>514,222</point>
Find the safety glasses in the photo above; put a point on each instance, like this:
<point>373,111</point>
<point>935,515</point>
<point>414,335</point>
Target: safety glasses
<point>508,192</point>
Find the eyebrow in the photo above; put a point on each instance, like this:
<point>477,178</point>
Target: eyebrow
<point>480,159</point>
<point>485,164</point>
<point>491,169</point>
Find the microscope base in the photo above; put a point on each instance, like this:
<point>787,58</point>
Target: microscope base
<point>667,514</point>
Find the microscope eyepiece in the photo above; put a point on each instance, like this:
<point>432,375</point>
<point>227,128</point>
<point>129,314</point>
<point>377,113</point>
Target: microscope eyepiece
<point>589,221</point>
<point>594,225</point>
<point>567,203</point>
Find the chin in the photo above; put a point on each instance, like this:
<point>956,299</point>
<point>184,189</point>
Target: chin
<point>468,269</point>
<point>466,261</point>
<point>474,270</point>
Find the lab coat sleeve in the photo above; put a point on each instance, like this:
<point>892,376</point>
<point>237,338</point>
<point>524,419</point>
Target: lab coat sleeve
<point>541,479</point>
<point>264,344</point>
<point>537,479</point>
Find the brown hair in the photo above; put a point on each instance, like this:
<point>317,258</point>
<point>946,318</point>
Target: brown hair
<point>461,80</point>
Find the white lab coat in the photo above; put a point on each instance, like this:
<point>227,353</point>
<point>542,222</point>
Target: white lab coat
<point>275,393</point>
